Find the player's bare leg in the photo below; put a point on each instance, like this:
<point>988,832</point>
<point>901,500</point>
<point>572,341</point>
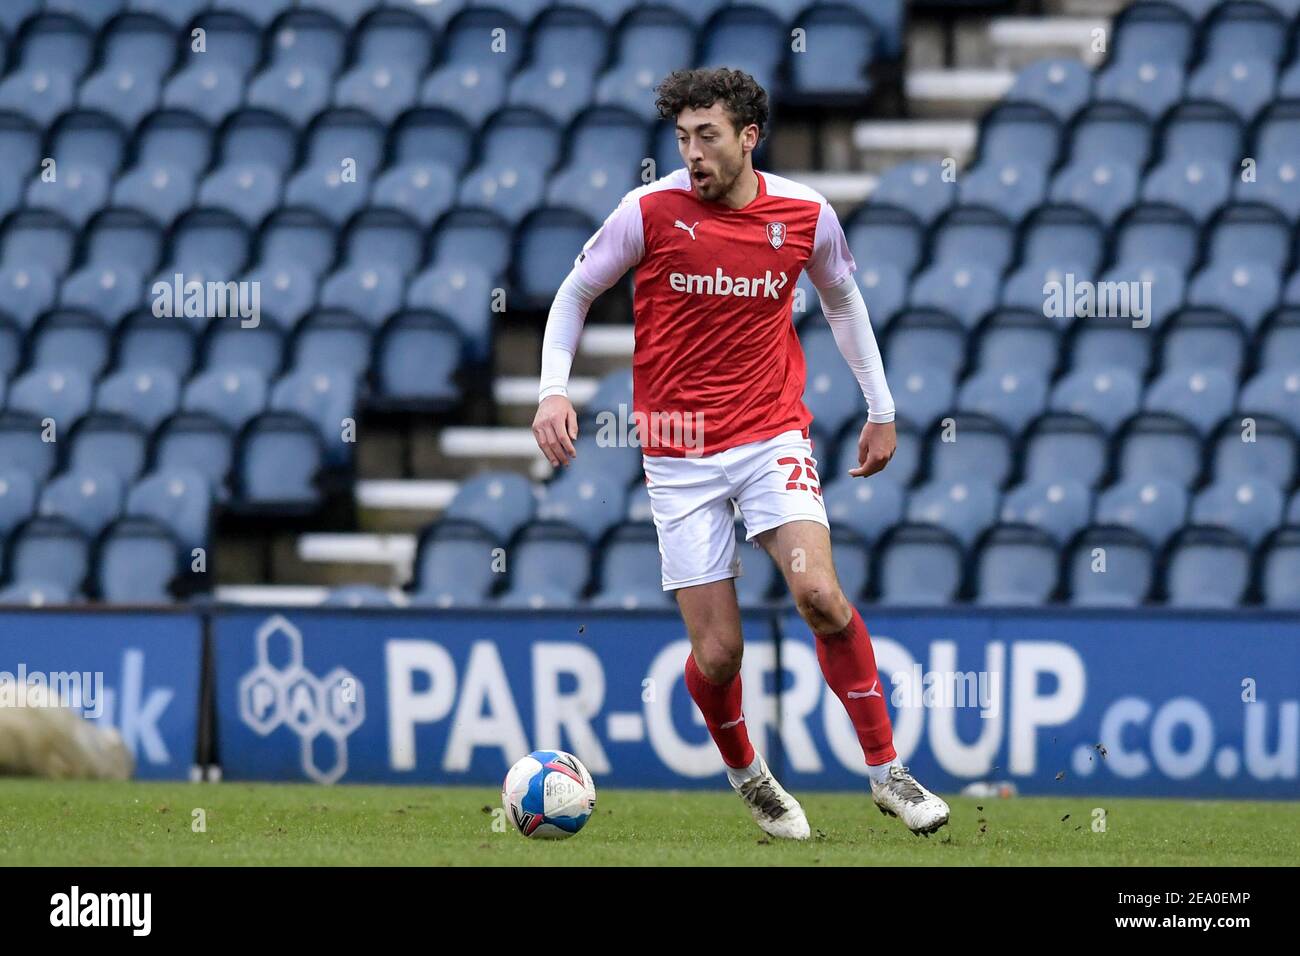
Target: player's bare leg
<point>802,550</point>
<point>712,616</point>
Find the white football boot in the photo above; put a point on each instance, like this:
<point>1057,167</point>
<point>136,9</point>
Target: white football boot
<point>901,796</point>
<point>774,810</point>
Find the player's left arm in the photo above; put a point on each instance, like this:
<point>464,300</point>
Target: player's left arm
<point>831,267</point>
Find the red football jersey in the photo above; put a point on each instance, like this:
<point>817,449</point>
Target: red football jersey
<point>717,362</point>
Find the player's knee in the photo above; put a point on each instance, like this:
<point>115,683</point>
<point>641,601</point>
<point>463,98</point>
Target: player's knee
<point>717,660</point>
<point>821,604</point>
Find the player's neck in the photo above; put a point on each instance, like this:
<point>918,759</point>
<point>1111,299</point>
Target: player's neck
<point>744,192</point>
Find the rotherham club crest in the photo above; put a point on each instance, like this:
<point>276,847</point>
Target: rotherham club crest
<point>776,234</point>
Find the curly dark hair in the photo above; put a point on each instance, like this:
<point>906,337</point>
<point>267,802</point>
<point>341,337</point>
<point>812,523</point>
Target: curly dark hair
<point>739,93</point>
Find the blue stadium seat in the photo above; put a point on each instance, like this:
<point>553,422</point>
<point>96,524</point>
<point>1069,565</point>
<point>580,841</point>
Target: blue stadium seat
<point>373,291</point>
<point>1159,446</point>
<point>417,355</point>
<point>1013,340</point>
<point>502,502</point>
<point>50,549</point>
<point>880,235</point>
<point>106,291</point>
<point>550,565</point>
<point>921,393</point>
<point>455,565</point>
<point>176,13</point>
<point>1152,86</point>
<point>566,47</point>
<point>298,238</point>
<point>612,399</point>
<point>845,43</point>
<point>1203,339</point>
<point>925,338</point>
<point>178,498</point>
<point>248,190</point>
<point>22,447</point>
<point>88,498</point>
<point>297,91</point>
<point>231,39</point>
<point>111,442</point>
<point>1274,186</point>
<point>334,340</point>
<point>1203,397</point>
<point>1110,567</point>
<point>261,12</point>
<point>324,397</point>
<point>1105,189</point>
<point>1059,509</point>
<point>1207,568</point>
<point>471,32</point>
<point>77,194</point>
<point>1277,137</point>
<point>1153,507</point>
<point>975,444</point>
<point>28,290</point>
<point>974,236</point>
<point>60,393</point>
<point>1248,507</point>
<point>629,570</point>
<point>869,507</point>
<point>1058,234</point>
<point>211,89</point>
<point>964,507</point>
<point>163,192</point>
<point>1270,454</point>
<point>961,288</point>
<point>286,293</point>
<point>145,341</point>
<point>748,39</point>
<point>1250,234</point>
<point>922,189</point>
<point>466,90</point>
<point>233,396</point>
<point>1108,343</point>
<point>1244,30</point>
<point>651,42</point>
<point>1188,182</point>
<point>852,565</point>
<point>306,37</point>
<point>93,13</point>
<point>72,339</point>
<point>208,245</point>
<point>1016,566</point>
<point>1062,87</point>
<point>585,498</point>
<point>1280,337</point>
<point>1161,289</point>
<point>423,191</point>
<point>473,238</point>
<point>549,241</point>
<point>921,565</point>
<point>1011,398</point>
<point>1065,447</point>
<point>1009,186</point>
<point>383,90</point>
<point>463,292</point>
<point>259,136</point>
<point>229,343</point>
<point>1243,85</point>
<point>278,461</point>
<point>1110,132</point>
<point>1020,133</point>
<point>346,12</point>
<point>1206,131</point>
<point>38,238</point>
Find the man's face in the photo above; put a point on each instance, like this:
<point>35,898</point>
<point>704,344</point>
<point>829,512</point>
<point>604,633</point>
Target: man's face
<point>713,149</point>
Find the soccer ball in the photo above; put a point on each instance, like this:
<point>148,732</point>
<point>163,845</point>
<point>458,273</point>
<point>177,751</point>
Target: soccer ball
<point>549,794</point>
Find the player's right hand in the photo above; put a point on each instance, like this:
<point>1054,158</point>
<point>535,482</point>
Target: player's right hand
<point>556,428</point>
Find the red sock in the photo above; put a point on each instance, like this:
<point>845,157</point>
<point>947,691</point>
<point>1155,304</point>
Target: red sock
<point>720,705</point>
<point>850,669</point>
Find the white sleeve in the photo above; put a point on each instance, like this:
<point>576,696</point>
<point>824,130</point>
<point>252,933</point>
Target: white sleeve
<point>830,260</point>
<point>845,310</point>
<point>617,246</point>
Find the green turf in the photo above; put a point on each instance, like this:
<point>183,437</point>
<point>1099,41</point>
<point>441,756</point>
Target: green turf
<point>43,822</point>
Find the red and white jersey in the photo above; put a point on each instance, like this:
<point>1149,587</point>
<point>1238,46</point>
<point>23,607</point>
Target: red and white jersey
<point>717,362</point>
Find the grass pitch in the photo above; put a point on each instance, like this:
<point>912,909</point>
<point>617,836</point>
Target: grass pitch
<point>154,824</point>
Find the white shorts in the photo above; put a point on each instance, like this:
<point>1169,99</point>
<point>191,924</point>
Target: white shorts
<point>772,482</point>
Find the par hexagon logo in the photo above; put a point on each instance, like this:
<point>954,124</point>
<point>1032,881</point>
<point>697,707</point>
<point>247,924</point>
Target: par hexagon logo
<point>322,712</point>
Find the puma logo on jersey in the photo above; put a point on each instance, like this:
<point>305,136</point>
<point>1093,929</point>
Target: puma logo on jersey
<point>766,286</point>
<point>870,692</point>
<point>691,229</point>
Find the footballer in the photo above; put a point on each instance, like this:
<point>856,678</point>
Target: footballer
<point>717,248</point>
